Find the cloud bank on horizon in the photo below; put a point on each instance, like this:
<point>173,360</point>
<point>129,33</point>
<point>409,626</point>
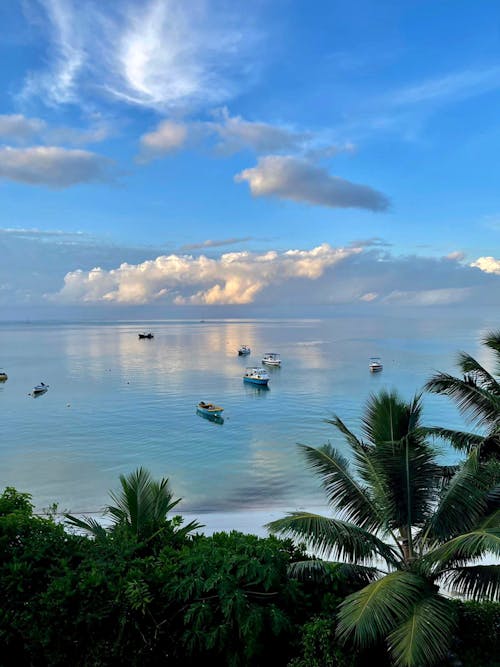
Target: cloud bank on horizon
<point>143,131</point>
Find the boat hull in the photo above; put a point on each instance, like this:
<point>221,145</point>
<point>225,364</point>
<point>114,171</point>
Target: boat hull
<point>260,381</point>
<point>216,418</point>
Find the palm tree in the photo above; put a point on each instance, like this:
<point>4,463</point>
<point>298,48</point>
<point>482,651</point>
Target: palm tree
<point>477,395</point>
<point>140,510</point>
<point>401,525</point>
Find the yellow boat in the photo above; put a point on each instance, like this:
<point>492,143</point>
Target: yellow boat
<point>3,376</point>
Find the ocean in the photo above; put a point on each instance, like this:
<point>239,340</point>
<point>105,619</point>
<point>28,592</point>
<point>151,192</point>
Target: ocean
<point>116,402</point>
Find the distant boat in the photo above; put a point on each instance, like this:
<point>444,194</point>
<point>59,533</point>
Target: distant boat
<point>39,389</point>
<point>271,359</point>
<point>209,409</point>
<point>145,334</point>
<point>3,376</point>
<point>244,351</point>
<point>375,365</point>
<point>256,376</point>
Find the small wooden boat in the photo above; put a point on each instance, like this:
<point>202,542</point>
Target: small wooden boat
<point>209,409</point>
<point>39,389</point>
<point>244,351</point>
<point>375,365</point>
<point>146,335</point>
<point>256,376</point>
<point>271,359</point>
<point>3,376</point>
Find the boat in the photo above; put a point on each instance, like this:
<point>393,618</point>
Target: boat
<point>145,334</point>
<point>209,409</point>
<point>244,351</point>
<point>271,359</point>
<point>3,376</point>
<point>375,365</point>
<point>256,376</point>
<point>39,389</point>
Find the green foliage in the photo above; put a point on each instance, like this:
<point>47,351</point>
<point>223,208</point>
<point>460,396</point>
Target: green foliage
<point>421,526</point>
<point>477,639</point>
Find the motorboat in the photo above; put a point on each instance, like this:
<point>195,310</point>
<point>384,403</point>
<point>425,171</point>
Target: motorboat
<point>244,351</point>
<point>209,409</point>
<point>256,376</point>
<point>3,376</point>
<point>375,365</point>
<point>146,334</point>
<point>39,389</point>
<point>271,359</point>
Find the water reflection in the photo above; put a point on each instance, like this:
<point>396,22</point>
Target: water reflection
<point>216,419</point>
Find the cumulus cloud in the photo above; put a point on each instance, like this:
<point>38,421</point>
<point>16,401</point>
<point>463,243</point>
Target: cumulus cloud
<point>54,167</point>
<point>157,54</point>
<point>167,138</point>
<point>231,134</point>
<point>456,256</point>
<point>234,278</point>
<point>16,127</point>
<point>487,264</point>
<point>288,177</point>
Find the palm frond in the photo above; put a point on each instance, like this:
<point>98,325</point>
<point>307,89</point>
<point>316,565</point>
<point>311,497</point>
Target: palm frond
<point>388,418</point>
<point>492,340</point>
<point>334,539</point>
<point>463,501</point>
<point>424,637</point>
<point>327,571</point>
<point>345,494</point>
<point>379,608</point>
<point>480,404</point>
<point>460,440</point>
<point>463,549</point>
<point>482,377</point>
<point>477,582</point>
<point>89,525</point>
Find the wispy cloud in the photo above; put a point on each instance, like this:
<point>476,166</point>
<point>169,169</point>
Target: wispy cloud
<point>54,167</point>
<point>20,129</point>
<point>299,180</point>
<point>158,54</point>
<point>451,87</point>
<point>215,243</point>
<point>227,135</point>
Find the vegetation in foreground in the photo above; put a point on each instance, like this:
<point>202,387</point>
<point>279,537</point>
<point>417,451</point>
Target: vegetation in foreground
<point>150,590</point>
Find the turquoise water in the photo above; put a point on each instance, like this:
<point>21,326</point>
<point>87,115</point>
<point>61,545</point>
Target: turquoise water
<point>116,402</point>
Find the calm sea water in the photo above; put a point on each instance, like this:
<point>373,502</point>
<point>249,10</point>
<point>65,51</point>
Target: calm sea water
<point>116,402</point>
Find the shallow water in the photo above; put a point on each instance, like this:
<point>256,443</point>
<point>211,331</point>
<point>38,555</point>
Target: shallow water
<point>116,402</point>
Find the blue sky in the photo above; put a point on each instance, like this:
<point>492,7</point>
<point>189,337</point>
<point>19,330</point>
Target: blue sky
<point>162,156</point>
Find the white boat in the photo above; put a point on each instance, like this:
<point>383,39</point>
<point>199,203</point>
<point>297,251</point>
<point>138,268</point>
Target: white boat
<point>244,351</point>
<point>271,359</point>
<point>256,376</point>
<point>375,365</point>
<point>209,409</point>
<point>146,334</point>
<point>39,389</point>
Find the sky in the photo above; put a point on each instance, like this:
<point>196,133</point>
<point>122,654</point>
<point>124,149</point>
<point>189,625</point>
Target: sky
<point>166,158</point>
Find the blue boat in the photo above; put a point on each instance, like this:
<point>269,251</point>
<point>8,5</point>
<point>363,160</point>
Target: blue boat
<point>209,409</point>
<point>256,376</point>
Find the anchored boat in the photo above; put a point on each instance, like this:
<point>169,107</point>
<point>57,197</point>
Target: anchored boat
<point>257,376</point>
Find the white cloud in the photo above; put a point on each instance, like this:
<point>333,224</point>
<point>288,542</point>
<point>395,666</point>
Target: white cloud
<point>54,167</point>
<point>157,53</point>
<point>233,134</point>
<point>431,297</point>
<point>487,264</point>
<point>167,138</point>
<point>16,127</point>
<point>287,177</point>
<point>234,278</point>
<point>456,256</point>
<point>209,243</point>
